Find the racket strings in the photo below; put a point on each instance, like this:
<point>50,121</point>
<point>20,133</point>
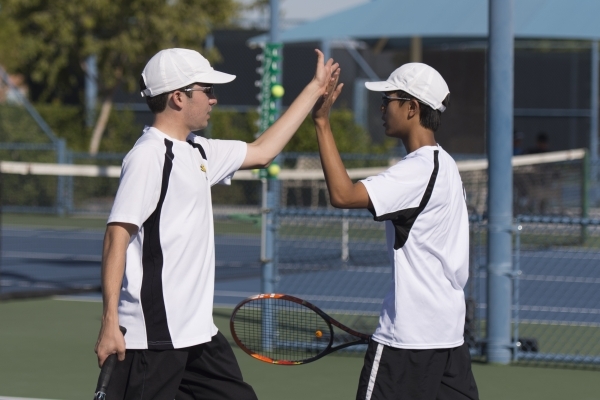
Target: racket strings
<point>281,330</point>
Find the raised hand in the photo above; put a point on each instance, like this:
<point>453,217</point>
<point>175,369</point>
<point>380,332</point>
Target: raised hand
<point>332,91</point>
<point>325,71</point>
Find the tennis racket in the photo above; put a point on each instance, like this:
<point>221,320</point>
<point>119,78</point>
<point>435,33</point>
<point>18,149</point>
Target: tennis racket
<point>285,330</point>
<point>106,372</point>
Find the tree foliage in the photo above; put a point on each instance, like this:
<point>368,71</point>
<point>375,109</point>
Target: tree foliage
<point>52,39</point>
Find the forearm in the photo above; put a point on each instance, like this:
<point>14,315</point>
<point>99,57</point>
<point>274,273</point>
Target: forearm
<point>116,240</point>
<point>343,193</point>
<point>113,268</point>
<point>268,145</point>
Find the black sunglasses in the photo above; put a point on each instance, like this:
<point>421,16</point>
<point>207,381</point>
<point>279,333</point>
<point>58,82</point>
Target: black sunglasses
<point>385,99</point>
<point>209,90</point>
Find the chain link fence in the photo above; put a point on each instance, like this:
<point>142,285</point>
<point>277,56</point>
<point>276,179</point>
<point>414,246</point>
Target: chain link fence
<point>337,259</point>
<point>558,288</point>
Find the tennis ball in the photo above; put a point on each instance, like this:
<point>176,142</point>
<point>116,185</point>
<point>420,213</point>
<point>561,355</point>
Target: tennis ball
<point>318,334</point>
<point>274,169</point>
<point>255,171</point>
<point>277,91</point>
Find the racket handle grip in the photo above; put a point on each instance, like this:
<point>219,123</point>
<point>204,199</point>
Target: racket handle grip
<point>104,378</point>
<point>106,372</point>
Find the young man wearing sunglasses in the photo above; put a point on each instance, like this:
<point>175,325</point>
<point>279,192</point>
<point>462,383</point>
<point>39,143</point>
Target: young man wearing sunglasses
<point>417,351</point>
<point>158,263</point>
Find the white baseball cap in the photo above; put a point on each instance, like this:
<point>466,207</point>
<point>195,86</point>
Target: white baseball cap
<point>416,79</point>
<point>172,69</point>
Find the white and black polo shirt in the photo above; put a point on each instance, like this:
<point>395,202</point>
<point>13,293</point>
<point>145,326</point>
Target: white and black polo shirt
<point>421,199</point>
<point>167,295</point>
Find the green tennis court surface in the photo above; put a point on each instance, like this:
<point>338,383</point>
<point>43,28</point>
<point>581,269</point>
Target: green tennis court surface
<point>46,352</point>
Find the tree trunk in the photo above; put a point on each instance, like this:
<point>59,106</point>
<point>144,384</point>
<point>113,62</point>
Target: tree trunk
<point>101,125</point>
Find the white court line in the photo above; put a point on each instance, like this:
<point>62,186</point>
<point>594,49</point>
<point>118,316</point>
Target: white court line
<point>19,398</point>
<point>230,293</point>
<point>555,278</point>
<point>227,293</point>
<point>99,300</point>
<point>559,323</point>
<point>569,310</point>
<point>77,298</point>
<point>51,256</point>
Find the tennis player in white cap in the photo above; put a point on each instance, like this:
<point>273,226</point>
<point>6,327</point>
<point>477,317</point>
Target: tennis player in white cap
<point>417,351</point>
<point>159,254</point>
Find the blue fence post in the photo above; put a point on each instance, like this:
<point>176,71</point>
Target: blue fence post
<point>69,187</point>
<point>500,80</point>
<point>91,89</point>
<point>594,112</point>
<point>516,289</point>
<point>585,195</point>
<point>61,192</point>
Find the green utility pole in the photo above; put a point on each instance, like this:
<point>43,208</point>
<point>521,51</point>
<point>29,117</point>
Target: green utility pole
<point>270,104</point>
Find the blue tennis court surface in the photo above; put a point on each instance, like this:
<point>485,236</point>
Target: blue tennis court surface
<point>556,285</point>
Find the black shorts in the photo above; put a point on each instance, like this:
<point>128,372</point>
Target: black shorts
<point>206,371</point>
<point>399,374</point>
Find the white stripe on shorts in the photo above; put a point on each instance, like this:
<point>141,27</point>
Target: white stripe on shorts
<point>374,371</point>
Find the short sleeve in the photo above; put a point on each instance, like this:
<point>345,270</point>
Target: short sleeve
<point>139,187</point>
<point>224,157</point>
<point>399,188</point>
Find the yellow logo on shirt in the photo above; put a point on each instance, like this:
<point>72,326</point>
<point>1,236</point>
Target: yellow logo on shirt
<point>202,167</point>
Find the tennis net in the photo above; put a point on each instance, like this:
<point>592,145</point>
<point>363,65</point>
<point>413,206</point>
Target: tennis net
<point>551,183</point>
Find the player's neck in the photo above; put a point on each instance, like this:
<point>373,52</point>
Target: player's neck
<point>171,127</point>
<point>419,137</point>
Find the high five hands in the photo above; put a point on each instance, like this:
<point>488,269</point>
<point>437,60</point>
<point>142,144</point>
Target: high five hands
<point>325,72</point>
<point>332,91</point>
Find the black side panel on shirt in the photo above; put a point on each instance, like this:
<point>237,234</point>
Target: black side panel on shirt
<point>199,147</point>
<point>403,220</point>
<point>153,302</point>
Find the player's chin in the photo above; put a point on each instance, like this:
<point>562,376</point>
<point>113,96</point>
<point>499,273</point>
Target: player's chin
<point>200,127</point>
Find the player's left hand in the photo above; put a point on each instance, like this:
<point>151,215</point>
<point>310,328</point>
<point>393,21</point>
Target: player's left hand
<point>332,91</point>
<point>324,73</point>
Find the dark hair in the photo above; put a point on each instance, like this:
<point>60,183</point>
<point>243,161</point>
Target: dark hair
<point>428,117</point>
<point>158,104</point>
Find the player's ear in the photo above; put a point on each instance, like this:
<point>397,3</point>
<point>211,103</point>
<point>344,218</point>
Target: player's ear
<point>176,99</point>
<point>413,108</point>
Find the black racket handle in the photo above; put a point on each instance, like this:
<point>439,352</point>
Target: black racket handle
<point>106,372</point>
